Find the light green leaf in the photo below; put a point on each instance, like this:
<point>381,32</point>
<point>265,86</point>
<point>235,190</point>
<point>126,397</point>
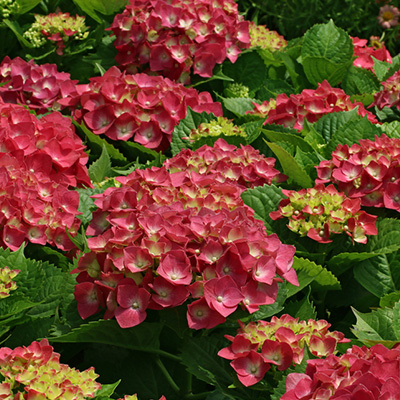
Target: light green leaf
<point>290,166</point>
<point>381,68</point>
<point>391,129</point>
<point>105,7</point>
<point>101,168</point>
<point>375,327</point>
<point>291,138</point>
<point>26,5</point>
<point>238,105</point>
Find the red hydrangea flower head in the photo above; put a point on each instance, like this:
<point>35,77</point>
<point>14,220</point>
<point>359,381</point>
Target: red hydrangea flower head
<point>280,342</point>
<point>360,373</point>
<point>41,160</point>
<point>178,38</point>
<point>364,53</point>
<point>36,372</point>
<point>181,233</point>
<point>310,104</point>
<point>261,36</point>
<point>389,96</point>
<point>321,211</point>
<point>367,171</point>
<point>60,28</point>
<point>38,87</point>
<point>139,107</point>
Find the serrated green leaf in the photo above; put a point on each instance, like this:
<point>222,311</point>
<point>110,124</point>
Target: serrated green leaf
<point>269,310</point>
<point>253,130</point>
<point>270,88</point>
<point>101,168</point>
<point>199,355</point>
<point>381,68</point>
<point>291,138</point>
<point>380,275</point>
<point>308,161</point>
<point>302,309</point>
<point>143,337</point>
<point>391,129</point>
<point>375,327</point>
<point>138,151</point>
<point>396,320</point>
<point>360,81</point>
<point>389,300</point>
<point>263,200</point>
<point>238,105</point>
<point>290,166</point>
<point>86,203</point>
<point>351,133</point>
<point>107,390</point>
<point>185,126</point>
<point>327,53</point>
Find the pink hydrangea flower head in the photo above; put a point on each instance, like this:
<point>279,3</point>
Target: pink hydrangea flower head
<point>366,171</point>
<point>365,52</point>
<point>261,36</point>
<point>279,342</point>
<point>369,373</point>
<point>50,379</point>
<point>310,104</point>
<point>177,38</point>
<point>181,233</point>
<point>321,211</point>
<point>389,95</point>
<point>388,16</point>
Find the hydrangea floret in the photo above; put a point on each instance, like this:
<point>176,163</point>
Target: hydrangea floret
<point>280,342</point>
<point>321,211</point>
<point>389,95</point>
<point>360,373</point>
<point>59,28</point>
<point>368,170</point>
<point>35,86</point>
<point>182,233</point>
<point>8,8</point>
<point>35,372</point>
<point>6,281</point>
<point>143,107</point>
<point>178,38</point>
<point>261,36</point>
<point>310,104</point>
<point>388,16</point>
<point>237,89</point>
<point>217,127</point>
<point>364,53</point>
<point>40,162</point>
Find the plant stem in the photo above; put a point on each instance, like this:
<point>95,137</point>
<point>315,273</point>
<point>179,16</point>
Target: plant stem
<point>167,375</point>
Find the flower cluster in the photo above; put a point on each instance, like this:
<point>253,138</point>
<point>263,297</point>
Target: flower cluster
<point>310,104</point>
<point>237,89</point>
<point>261,36</point>
<point>35,86</point>
<point>280,342</point>
<point>364,53</point>
<point>147,108</point>
<point>165,236</point>
<point>369,170</point>
<point>176,38</point>
<point>8,8</point>
<point>40,160</point>
<point>134,397</point>
<point>320,211</point>
<point>59,28</point>
<point>35,372</point>
<point>217,127</point>
<point>389,96</point>
<point>388,16</point>
<point>360,373</point>
<point>6,281</point>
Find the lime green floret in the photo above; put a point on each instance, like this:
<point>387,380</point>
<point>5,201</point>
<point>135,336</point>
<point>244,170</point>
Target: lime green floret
<point>8,7</point>
<point>6,281</point>
<point>237,90</point>
<point>217,127</point>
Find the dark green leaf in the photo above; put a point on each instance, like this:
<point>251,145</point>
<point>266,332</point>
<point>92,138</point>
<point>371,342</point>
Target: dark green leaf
<point>360,81</point>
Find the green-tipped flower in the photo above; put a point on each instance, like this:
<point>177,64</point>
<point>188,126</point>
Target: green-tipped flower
<point>59,28</point>
<point>261,36</point>
<point>237,90</point>
<point>6,281</point>
<point>8,8</point>
<point>217,127</point>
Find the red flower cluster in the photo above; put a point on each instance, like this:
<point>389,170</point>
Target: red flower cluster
<point>364,53</point>
<point>35,372</point>
<point>176,38</point>
<point>39,160</point>
<point>166,235</point>
<point>389,96</point>
<point>310,104</point>
<point>360,373</point>
<point>147,108</point>
<point>369,170</point>
<point>35,86</point>
<point>281,342</point>
<point>320,211</point>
